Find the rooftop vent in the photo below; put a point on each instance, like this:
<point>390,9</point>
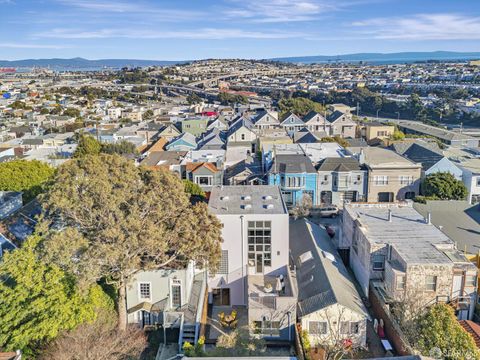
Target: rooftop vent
<point>246,206</point>
<point>246,198</point>
<point>267,197</point>
<point>269,206</point>
<point>224,198</point>
<point>305,257</point>
<point>328,255</point>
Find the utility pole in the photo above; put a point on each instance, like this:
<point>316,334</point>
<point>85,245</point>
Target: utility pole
<point>358,108</point>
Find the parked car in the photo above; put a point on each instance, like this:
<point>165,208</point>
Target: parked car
<point>329,211</point>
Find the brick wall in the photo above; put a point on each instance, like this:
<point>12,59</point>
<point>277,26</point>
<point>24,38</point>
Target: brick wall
<point>392,330</point>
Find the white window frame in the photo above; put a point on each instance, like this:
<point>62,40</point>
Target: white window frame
<point>397,283</point>
<point>376,261</point>
<point>380,180</point>
<point>175,282</point>
<point>197,177</point>
<point>406,179</point>
<point>317,321</point>
<point>149,287</point>
<point>428,285</point>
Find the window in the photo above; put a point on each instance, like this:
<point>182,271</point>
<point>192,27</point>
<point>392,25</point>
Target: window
<point>223,268</point>
<point>354,327</point>
<point>380,180</point>
<point>317,327</point>
<point>294,181</point>
<point>176,293</point>
<point>400,282</point>
<point>406,180</point>
<point>259,244</point>
<point>378,262</point>
<point>144,291</point>
<point>410,195</point>
<point>431,283</point>
<point>204,180</point>
<point>344,327</point>
<point>243,136</point>
<point>267,327</point>
<point>470,280</point>
<point>381,133</point>
<point>478,181</point>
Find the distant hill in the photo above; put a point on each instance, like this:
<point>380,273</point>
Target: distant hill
<point>81,63</point>
<point>401,57</point>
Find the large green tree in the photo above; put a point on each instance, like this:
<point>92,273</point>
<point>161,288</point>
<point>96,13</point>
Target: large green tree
<point>299,106</point>
<point>87,145</point>
<point>440,334</point>
<point>38,300</point>
<point>118,219</point>
<point>444,186</point>
<point>123,147</point>
<point>29,177</point>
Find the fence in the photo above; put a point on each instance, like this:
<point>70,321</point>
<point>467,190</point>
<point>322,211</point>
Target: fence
<point>391,327</point>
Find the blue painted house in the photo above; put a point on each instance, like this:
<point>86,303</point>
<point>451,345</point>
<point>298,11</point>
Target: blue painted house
<point>184,142</point>
<point>296,177</point>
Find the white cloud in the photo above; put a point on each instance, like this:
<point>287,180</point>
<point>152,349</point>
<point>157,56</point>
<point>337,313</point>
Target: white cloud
<point>204,33</point>
<point>148,11</point>
<point>422,27</point>
<point>272,11</point>
<point>31,46</point>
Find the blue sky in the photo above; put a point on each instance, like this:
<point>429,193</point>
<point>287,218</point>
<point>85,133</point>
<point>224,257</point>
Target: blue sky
<point>196,29</point>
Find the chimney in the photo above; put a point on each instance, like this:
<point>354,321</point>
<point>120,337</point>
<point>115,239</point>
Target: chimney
<point>389,215</point>
<point>361,156</point>
<point>428,219</point>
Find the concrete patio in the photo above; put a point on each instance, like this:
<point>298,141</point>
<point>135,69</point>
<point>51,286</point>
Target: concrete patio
<point>215,329</point>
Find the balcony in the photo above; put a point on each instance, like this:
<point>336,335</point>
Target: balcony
<point>269,291</point>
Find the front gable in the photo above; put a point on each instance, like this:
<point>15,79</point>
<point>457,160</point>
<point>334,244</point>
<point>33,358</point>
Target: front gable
<point>292,120</point>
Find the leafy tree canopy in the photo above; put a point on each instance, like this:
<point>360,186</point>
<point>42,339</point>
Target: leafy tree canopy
<point>39,300</point>
<point>30,177</point>
<point>194,99</point>
<point>443,186</point>
<point>232,99</point>
<point>193,189</point>
<point>118,219</point>
<point>439,329</point>
<point>339,140</point>
<point>72,112</point>
<point>300,106</point>
<point>123,147</point>
<point>87,145</point>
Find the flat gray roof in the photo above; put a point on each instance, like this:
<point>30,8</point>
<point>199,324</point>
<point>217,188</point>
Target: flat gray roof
<point>416,241</point>
<point>440,133</point>
<point>458,219</point>
<point>246,199</point>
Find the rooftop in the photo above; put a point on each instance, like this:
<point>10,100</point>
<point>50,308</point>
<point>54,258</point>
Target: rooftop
<point>244,199</point>
<point>379,157</point>
<point>414,239</point>
<point>339,164</point>
<point>292,164</point>
<point>440,133</point>
<point>459,220</point>
<point>323,279</point>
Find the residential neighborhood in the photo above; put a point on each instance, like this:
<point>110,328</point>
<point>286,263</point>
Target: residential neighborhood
<point>191,210</point>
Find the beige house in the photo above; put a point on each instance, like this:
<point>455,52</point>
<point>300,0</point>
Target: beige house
<point>394,248</point>
<point>391,177</point>
<point>376,130</point>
